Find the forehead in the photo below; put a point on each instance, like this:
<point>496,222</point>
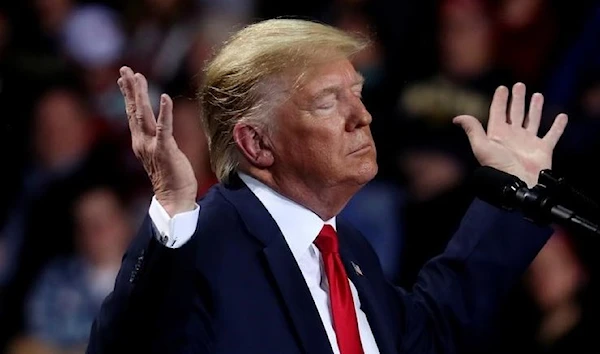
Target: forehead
<point>327,74</point>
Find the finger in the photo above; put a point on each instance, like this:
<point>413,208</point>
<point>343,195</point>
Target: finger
<point>127,85</point>
<point>124,91</point>
<point>556,130</point>
<point>164,124</point>
<point>497,117</point>
<point>124,70</point>
<point>517,105</point>
<point>143,113</point>
<point>532,122</point>
<point>473,128</point>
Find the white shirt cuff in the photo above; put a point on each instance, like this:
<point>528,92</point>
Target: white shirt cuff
<point>176,231</point>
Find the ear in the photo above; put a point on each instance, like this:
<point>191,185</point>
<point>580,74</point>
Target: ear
<point>254,145</point>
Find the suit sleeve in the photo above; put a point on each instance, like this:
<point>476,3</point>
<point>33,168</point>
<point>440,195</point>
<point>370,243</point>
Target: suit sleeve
<point>451,307</point>
<point>156,305</point>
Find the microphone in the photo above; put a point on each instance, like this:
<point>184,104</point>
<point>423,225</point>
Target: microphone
<point>538,204</point>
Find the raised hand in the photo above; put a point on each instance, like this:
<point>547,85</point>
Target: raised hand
<point>511,143</point>
<point>170,171</point>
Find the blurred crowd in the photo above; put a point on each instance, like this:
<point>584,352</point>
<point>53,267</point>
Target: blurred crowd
<point>74,194</point>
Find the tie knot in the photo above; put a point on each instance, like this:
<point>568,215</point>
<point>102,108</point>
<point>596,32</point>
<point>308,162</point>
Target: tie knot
<point>327,240</point>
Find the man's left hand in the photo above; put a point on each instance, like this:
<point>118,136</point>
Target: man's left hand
<point>511,143</point>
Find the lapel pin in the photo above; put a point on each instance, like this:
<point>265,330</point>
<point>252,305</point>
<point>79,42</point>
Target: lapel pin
<point>357,269</point>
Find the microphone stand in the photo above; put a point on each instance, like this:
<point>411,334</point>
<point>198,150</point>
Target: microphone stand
<point>554,200</point>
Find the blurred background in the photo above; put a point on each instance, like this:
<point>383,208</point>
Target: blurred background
<point>73,193</point>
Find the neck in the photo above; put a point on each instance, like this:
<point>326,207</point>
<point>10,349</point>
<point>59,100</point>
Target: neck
<point>325,201</point>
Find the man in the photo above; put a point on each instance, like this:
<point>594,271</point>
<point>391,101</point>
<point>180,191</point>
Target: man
<point>262,264</point>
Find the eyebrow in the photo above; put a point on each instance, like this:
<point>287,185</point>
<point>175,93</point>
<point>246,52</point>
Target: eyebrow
<point>359,79</point>
<point>335,88</point>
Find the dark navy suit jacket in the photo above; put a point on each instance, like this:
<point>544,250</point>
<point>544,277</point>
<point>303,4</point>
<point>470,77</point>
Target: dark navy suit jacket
<point>236,288</point>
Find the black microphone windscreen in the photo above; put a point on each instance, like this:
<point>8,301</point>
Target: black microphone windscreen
<point>496,187</point>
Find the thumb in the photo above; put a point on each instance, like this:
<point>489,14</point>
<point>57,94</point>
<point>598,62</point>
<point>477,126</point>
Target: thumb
<point>473,128</point>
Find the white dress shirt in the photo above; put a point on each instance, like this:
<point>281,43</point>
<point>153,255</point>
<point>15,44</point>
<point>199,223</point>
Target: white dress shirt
<point>300,228</point>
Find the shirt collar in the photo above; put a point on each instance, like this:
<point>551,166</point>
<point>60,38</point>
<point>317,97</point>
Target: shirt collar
<point>299,225</point>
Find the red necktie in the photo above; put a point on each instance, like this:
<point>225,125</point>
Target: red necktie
<point>345,323</point>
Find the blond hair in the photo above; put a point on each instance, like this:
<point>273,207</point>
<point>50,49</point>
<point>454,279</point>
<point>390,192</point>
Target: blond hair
<point>237,80</point>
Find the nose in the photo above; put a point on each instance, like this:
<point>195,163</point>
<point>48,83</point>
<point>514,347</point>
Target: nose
<point>358,116</point>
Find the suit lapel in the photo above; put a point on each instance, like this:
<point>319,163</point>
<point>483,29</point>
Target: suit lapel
<point>289,280</point>
<point>375,313</point>
<point>298,300</point>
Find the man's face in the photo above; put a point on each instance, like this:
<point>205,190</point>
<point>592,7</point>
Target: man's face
<point>321,135</point>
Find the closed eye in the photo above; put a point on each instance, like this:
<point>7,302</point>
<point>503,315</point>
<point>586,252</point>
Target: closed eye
<point>327,101</point>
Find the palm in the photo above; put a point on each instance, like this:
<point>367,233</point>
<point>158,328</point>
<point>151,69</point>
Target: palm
<point>511,143</point>
<point>514,149</point>
<point>176,172</point>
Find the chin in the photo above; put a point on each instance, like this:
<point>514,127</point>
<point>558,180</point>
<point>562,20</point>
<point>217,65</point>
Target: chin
<point>366,172</point>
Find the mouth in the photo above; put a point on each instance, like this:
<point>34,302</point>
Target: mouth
<point>362,149</point>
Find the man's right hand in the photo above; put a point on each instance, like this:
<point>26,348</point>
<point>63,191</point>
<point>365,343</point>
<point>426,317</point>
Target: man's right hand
<point>170,171</point>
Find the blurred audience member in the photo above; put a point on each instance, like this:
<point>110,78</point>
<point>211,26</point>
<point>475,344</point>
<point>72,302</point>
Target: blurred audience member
<point>555,280</point>
<point>432,172</point>
<point>575,86</point>
<point>61,141</point>
<point>68,294</point>
<point>212,29</point>
<point>163,32</point>
<point>581,57</point>
<point>93,39</point>
<point>37,49</point>
<point>527,38</point>
<point>468,72</point>
<point>466,39</point>
<point>581,142</point>
<point>557,312</point>
<point>53,14</point>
